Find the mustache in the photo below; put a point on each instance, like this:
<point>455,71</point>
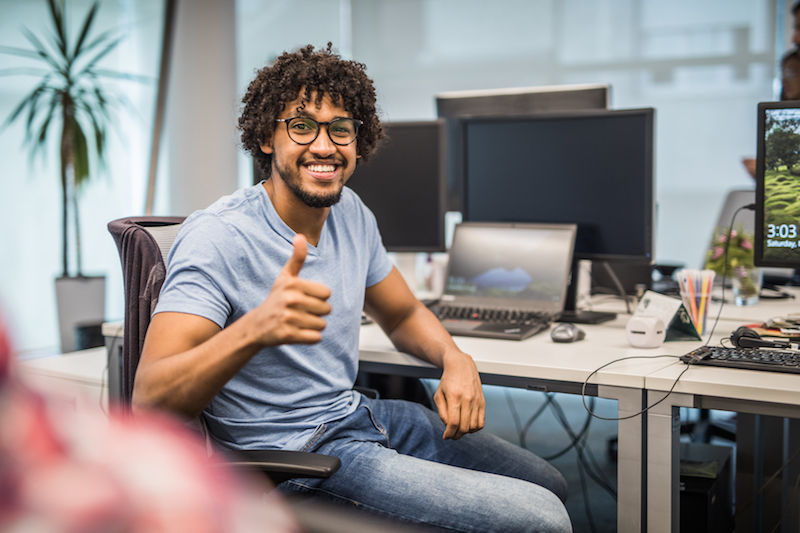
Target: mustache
<point>342,162</point>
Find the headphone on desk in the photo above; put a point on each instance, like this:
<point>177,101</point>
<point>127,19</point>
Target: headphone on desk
<point>745,337</point>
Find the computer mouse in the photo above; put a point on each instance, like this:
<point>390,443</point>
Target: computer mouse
<point>567,332</point>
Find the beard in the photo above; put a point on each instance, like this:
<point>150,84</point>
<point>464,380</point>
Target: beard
<point>293,182</point>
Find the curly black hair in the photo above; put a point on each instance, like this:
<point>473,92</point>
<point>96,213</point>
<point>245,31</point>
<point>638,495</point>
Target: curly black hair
<point>322,72</point>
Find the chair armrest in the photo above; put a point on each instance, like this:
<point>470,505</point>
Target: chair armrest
<point>281,465</point>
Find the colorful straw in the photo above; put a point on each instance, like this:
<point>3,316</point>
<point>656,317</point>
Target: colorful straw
<point>696,288</point>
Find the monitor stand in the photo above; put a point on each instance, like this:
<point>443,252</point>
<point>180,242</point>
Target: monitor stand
<point>586,317</point>
<point>571,313</point>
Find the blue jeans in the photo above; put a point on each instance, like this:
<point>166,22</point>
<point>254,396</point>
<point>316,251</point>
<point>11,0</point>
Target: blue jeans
<point>395,464</point>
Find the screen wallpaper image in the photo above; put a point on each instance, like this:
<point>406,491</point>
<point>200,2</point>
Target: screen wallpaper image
<point>515,264</point>
<point>782,184</point>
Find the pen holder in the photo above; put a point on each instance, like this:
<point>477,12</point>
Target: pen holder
<point>697,307</point>
<point>696,288</point>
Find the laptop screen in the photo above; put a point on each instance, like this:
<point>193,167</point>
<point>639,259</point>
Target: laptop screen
<point>524,265</point>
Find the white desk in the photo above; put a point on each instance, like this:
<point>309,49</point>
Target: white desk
<point>540,364</point>
<point>78,377</point>
<point>743,391</point>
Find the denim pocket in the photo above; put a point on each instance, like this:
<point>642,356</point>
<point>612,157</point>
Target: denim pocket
<point>311,442</point>
<point>375,421</point>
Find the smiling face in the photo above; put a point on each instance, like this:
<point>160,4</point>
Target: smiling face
<point>315,173</point>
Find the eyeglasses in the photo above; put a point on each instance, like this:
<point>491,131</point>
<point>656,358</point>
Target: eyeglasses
<point>304,130</point>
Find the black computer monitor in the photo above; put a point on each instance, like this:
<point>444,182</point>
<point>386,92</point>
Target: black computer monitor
<point>523,100</point>
<point>777,233</point>
<point>507,101</point>
<point>403,184</point>
<point>591,168</point>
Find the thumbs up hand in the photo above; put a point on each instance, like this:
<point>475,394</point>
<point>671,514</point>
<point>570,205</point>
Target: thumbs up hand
<point>293,311</point>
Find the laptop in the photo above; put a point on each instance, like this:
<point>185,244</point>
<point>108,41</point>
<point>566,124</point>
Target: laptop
<point>505,280</point>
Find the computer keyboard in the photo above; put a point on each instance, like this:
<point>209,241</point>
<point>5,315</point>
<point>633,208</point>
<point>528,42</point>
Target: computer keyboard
<point>491,322</point>
<point>488,314</point>
<point>747,358</point>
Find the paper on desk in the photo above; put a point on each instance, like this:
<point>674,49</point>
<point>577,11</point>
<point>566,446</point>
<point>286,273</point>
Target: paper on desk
<point>672,312</point>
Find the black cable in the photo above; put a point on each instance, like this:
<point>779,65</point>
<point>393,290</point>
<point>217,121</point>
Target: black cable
<point>583,468</point>
<point>618,284</point>
<point>577,441</point>
<point>522,431</point>
<point>595,371</point>
<point>514,414</point>
<point>618,292</point>
<point>710,335</point>
<point>574,439</point>
<point>585,491</point>
<point>532,419</point>
<point>725,269</point>
<point>581,448</point>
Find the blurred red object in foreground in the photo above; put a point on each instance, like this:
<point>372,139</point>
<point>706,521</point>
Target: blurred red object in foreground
<point>63,471</point>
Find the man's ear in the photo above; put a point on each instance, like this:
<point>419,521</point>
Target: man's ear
<point>267,146</point>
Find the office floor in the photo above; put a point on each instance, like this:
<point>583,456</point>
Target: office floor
<point>593,480</point>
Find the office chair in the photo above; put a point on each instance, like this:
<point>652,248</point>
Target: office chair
<point>143,244</point>
<point>746,219</point>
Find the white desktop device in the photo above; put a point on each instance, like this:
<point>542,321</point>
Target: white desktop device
<point>645,331</point>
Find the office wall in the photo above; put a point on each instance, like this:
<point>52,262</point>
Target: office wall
<point>702,65</point>
<point>202,106</point>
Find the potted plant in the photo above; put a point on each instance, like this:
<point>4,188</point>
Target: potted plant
<point>737,247</point>
<point>70,102</point>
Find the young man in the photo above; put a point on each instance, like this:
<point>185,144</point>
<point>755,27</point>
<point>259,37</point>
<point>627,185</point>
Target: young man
<point>258,321</point>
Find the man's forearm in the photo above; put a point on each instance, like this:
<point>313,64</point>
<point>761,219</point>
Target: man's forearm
<point>185,383</point>
<point>421,334</point>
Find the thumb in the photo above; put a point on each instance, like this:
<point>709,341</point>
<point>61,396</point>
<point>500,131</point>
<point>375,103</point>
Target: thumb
<point>295,262</point>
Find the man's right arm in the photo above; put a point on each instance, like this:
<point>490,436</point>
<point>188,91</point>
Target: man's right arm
<point>187,358</point>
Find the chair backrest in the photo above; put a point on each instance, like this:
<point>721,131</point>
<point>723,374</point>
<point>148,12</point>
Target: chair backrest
<point>746,217</point>
<point>143,244</point>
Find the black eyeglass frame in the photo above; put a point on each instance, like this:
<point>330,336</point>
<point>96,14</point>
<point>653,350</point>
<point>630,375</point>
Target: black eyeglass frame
<point>357,123</point>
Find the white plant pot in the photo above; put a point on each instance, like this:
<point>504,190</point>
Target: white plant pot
<point>80,301</point>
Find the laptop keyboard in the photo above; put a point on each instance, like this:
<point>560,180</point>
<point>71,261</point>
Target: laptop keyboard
<point>747,358</point>
<point>512,317</point>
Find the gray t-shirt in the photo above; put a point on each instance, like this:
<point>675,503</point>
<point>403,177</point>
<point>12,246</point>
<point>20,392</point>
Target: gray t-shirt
<point>223,264</point>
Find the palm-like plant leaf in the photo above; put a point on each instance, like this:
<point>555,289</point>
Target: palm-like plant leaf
<point>42,51</point>
<point>59,25</point>
<point>121,75</point>
<point>22,52</point>
<point>24,71</point>
<point>68,98</point>
<point>41,137</point>
<point>87,24</point>
<point>104,52</point>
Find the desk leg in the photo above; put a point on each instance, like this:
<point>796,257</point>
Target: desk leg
<point>663,461</point>
<point>630,467</point>
<point>114,348</point>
